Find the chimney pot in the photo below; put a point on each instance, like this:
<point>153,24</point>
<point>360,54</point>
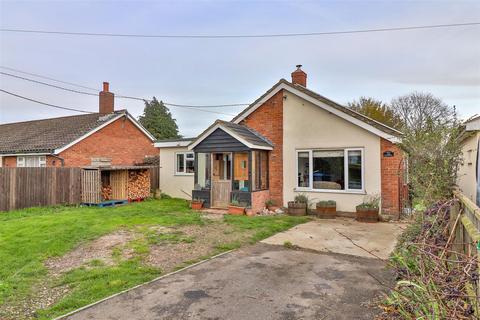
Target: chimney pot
<point>106,100</point>
<point>299,76</point>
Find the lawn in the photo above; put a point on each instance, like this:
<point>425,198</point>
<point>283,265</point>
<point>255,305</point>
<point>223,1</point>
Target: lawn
<point>57,259</point>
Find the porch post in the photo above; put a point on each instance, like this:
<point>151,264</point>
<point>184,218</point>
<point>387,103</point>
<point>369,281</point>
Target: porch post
<point>250,171</point>
<point>195,172</point>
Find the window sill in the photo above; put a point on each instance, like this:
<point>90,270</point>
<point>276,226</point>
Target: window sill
<point>184,174</point>
<point>361,192</point>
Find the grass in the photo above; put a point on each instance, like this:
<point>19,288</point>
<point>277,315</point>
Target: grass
<point>31,236</point>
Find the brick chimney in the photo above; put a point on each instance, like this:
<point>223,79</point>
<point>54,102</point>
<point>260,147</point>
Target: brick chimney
<point>106,100</point>
<point>299,77</point>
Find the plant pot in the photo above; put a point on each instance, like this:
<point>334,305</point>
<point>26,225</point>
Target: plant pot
<point>367,214</point>
<point>326,211</point>
<point>297,209</point>
<point>197,205</point>
<point>250,212</point>
<point>234,210</point>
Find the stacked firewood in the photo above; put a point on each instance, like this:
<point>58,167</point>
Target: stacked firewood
<point>107,192</point>
<point>138,184</point>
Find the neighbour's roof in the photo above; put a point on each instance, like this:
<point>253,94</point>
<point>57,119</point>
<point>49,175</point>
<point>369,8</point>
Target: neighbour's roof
<point>242,133</point>
<point>288,85</point>
<point>47,135</point>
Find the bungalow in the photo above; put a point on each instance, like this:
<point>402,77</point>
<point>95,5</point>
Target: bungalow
<point>291,140</point>
<point>75,140</point>
<point>469,171</point>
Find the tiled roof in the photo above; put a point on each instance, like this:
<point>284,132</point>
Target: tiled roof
<point>378,125</point>
<point>247,133</point>
<point>44,136</point>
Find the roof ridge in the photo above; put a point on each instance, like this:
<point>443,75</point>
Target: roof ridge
<point>47,119</point>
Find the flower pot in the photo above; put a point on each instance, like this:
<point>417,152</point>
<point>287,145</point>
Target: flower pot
<point>326,211</point>
<point>273,208</point>
<point>197,205</point>
<point>367,214</point>
<point>250,212</point>
<point>234,210</point>
<point>297,208</point>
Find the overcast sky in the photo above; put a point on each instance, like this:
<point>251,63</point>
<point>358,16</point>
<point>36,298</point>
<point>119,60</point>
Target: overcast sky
<point>445,62</point>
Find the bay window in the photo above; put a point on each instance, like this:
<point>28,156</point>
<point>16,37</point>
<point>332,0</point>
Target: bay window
<point>335,169</point>
<point>184,163</point>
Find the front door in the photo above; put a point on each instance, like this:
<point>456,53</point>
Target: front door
<point>221,179</point>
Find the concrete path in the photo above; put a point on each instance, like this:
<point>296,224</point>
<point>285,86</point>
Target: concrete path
<point>343,235</point>
<point>269,281</point>
<point>258,282</point>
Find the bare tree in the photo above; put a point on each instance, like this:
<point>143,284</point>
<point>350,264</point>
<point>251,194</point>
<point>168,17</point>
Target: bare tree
<point>430,139</point>
<point>418,110</point>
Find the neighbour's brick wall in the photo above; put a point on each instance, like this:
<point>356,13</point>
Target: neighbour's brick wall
<point>268,121</point>
<point>121,141</point>
<point>9,161</point>
<point>392,178</point>
<point>258,200</point>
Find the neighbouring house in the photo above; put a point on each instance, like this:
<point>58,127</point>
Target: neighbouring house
<point>469,172</point>
<point>291,140</point>
<point>75,141</point>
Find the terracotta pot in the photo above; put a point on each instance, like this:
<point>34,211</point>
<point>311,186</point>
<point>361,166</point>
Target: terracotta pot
<point>197,205</point>
<point>239,211</point>
<point>367,214</point>
<point>297,209</point>
<point>326,211</point>
<point>250,212</point>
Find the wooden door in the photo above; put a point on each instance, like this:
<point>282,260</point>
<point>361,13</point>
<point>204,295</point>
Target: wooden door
<point>221,179</point>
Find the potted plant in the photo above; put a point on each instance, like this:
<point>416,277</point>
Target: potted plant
<point>197,204</point>
<point>326,209</point>
<point>249,211</point>
<point>270,204</point>
<point>299,206</point>
<point>235,207</point>
<point>368,210</point>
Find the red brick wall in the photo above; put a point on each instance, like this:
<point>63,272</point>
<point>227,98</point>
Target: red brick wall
<point>258,200</point>
<point>268,121</point>
<point>121,141</point>
<point>392,178</point>
<point>9,161</point>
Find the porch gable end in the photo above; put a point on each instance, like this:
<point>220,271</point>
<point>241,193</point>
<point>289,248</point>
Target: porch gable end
<point>220,141</point>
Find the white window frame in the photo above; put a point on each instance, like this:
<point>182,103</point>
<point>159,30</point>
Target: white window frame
<point>345,159</point>
<point>184,173</point>
<point>22,161</point>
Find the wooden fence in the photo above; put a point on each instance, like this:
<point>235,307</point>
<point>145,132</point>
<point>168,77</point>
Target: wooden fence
<point>465,225</point>
<point>31,187</point>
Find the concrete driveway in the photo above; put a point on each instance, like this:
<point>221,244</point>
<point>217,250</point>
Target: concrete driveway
<point>264,281</point>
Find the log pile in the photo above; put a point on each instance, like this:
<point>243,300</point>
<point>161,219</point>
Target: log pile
<point>107,192</point>
<point>138,184</point>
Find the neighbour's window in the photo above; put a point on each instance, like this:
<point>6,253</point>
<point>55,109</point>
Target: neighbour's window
<point>184,163</point>
<point>340,169</point>
<point>31,161</point>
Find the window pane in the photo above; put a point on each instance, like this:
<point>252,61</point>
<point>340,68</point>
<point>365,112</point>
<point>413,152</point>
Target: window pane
<point>263,169</point>
<point>203,175</point>
<point>180,162</point>
<point>190,166</point>
<point>355,169</point>
<point>328,169</point>
<point>303,170</point>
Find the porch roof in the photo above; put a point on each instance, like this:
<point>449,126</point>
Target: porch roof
<point>243,134</point>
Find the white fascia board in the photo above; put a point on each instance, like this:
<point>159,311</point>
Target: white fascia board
<point>172,144</point>
<point>219,126</point>
<point>24,154</point>
<point>473,125</point>
<point>324,106</point>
